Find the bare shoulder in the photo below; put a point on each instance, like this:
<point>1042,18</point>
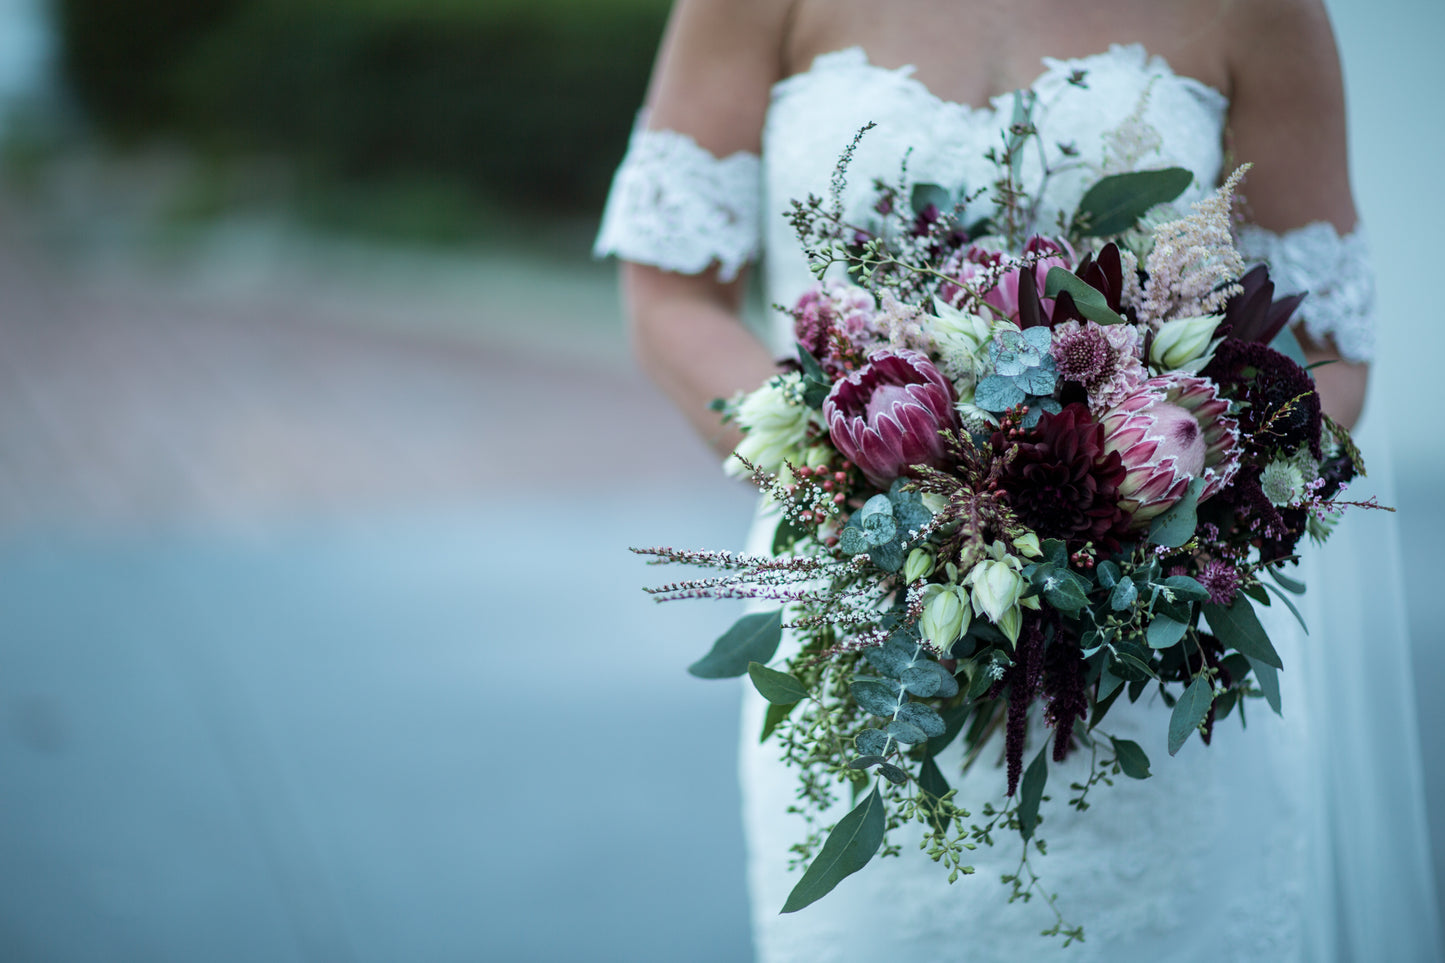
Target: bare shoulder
<point>716,68</point>
<point>1275,37</point>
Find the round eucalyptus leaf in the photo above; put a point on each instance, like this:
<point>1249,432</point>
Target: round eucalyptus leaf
<point>863,762</point>
<point>893,774</point>
<point>921,680</point>
<point>922,716</point>
<point>906,732</point>
<point>877,698</point>
<point>871,742</point>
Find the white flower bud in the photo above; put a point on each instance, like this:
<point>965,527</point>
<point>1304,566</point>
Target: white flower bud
<point>945,615</point>
<point>775,425</point>
<point>919,565</point>
<point>996,588</point>
<point>1011,623</point>
<point>1179,342</point>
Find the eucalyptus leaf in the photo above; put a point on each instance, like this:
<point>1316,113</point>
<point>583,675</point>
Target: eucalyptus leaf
<point>1109,683</point>
<point>1132,759</point>
<point>1189,712</point>
<point>1268,677</point>
<point>880,529</point>
<point>1031,793</point>
<point>890,659</point>
<point>996,393</point>
<point>1164,632</point>
<point>1238,628</point>
<point>875,697</point>
<point>774,718</point>
<point>1285,582</point>
<point>1257,593</point>
<point>1176,525</point>
<point>1125,594</point>
<point>888,556</point>
<point>893,774</point>
<point>863,762</point>
<point>953,720</point>
<point>924,717</point>
<point>1289,605</point>
<point>753,638</point>
<point>871,742</point>
<point>848,849</point>
<point>921,680</point>
<point>1040,379</point>
<point>1056,550</point>
<point>1108,574</point>
<point>1115,204</point>
<point>934,787</point>
<point>779,688</point>
<point>1064,593</point>
<point>852,541</point>
<point>1187,588</point>
<point>906,732</point>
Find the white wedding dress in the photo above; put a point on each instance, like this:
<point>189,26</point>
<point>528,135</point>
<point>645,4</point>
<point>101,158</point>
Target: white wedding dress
<point>1302,838</point>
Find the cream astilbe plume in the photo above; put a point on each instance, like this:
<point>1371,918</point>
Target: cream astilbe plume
<point>1193,266</point>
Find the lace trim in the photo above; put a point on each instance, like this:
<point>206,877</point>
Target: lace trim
<point>1334,270</point>
<point>675,206</point>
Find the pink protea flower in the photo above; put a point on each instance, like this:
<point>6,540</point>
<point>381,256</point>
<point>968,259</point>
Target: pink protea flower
<point>974,266</point>
<point>1102,358</point>
<point>1168,431</point>
<point>885,417</point>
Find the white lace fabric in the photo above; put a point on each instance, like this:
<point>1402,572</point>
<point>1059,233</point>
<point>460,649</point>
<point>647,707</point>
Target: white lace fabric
<point>676,206</point>
<point>1333,269</point>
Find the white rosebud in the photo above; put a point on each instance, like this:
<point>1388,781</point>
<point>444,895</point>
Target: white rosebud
<point>919,565</point>
<point>775,424</point>
<point>945,615</point>
<point>1029,545</point>
<point>1181,341</point>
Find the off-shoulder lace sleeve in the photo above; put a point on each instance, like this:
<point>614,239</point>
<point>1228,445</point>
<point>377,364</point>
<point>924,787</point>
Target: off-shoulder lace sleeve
<point>1334,270</point>
<point>675,206</point>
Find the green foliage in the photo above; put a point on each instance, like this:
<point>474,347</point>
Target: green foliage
<point>1238,628</point>
<point>1268,677</point>
<point>1131,758</point>
<point>528,103</point>
<point>753,638</point>
<point>1115,204</point>
<point>779,688</point>
<point>848,849</point>
<point>1091,302</point>
<point>1189,712</point>
<point>1031,793</point>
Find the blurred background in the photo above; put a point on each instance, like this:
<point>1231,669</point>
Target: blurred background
<point>320,451</point>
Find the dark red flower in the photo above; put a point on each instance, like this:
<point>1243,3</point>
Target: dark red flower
<point>1062,483</point>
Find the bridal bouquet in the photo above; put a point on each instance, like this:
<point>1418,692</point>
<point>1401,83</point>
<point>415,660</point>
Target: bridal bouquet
<point>1017,478</point>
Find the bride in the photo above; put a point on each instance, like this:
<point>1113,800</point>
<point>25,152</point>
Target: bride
<point>1300,840</point>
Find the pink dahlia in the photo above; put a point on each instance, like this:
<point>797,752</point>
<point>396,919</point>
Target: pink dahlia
<point>885,417</point>
<point>1169,431</point>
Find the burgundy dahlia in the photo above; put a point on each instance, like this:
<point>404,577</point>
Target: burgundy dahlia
<point>1169,431</point>
<point>886,416</point>
<point>1064,483</point>
<point>1278,394</point>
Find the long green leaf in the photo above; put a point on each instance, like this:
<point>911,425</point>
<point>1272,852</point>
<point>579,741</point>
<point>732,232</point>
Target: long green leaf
<point>1189,712</point>
<point>1289,604</point>
<point>848,849</point>
<point>1164,632</point>
<point>1031,793</point>
<point>779,688</point>
<point>753,638</point>
<point>1238,627</point>
<point>773,718</point>
<point>1116,203</point>
<point>1268,677</point>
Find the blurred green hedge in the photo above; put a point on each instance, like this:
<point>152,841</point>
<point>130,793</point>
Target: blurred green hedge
<point>529,101</point>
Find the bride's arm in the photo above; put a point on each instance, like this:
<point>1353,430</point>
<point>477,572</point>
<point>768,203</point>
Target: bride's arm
<point>713,78</point>
<point>1287,118</point>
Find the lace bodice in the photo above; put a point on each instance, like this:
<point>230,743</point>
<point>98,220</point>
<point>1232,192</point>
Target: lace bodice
<point>676,206</point>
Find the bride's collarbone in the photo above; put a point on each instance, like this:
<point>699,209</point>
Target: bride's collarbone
<point>972,52</point>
